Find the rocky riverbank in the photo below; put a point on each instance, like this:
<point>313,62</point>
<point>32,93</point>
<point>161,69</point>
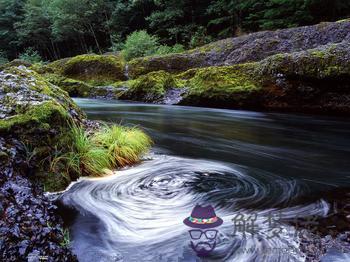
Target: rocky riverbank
<point>30,229</point>
<point>45,143</point>
<point>302,69</point>
<point>34,116</point>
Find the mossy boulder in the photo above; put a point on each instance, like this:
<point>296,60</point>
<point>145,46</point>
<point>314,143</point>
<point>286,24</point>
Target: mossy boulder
<point>315,81</point>
<point>151,87</point>
<point>108,92</point>
<point>15,62</point>
<point>312,81</point>
<point>92,69</point>
<point>36,113</point>
<point>173,63</point>
<point>247,48</point>
<point>328,61</point>
<point>75,88</point>
<point>229,86</point>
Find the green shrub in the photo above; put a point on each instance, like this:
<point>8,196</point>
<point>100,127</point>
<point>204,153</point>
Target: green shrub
<point>200,38</point>
<point>178,48</point>
<point>31,56</point>
<point>138,44</point>
<point>164,49</point>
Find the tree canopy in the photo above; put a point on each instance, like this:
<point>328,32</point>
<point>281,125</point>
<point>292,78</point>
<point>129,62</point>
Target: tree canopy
<point>61,28</point>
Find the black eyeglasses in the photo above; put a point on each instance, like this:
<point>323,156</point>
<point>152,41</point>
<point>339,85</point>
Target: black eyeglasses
<point>197,234</point>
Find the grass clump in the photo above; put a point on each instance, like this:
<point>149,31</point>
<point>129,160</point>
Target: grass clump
<point>124,145</point>
<point>66,238</point>
<point>94,155</point>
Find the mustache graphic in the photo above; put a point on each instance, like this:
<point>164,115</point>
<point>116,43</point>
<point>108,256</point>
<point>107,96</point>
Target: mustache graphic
<point>201,250</point>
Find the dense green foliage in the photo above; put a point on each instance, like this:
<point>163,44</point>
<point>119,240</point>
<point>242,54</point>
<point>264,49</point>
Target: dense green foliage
<point>30,55</point>
<point>140,43</point>
<point>61,28</point>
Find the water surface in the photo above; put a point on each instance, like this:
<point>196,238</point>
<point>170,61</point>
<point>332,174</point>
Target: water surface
<point>238,161</point>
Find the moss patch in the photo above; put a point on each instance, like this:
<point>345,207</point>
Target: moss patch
<point>93,69</point>
<point>230,85</point>
<point>15,63</point>
<point>36,113</point>
<point>40,116</point>
<point>329,61</point>
<point>172,63</point>
<point>75,88</point>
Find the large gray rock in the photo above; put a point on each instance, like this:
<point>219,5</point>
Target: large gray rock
<point>248,48</point>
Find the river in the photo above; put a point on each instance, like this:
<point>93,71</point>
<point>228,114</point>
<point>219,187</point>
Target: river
<point>241,162</point>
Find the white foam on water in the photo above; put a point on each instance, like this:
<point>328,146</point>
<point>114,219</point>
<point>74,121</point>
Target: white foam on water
<point>137,214</point>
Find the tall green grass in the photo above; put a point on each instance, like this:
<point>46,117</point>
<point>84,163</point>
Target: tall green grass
<point>124,145</point>
<point>109,148</point>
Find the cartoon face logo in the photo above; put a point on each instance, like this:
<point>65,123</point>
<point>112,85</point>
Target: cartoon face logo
<point>203,237</point>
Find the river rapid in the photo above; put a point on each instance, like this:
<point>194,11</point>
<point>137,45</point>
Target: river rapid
<point>253,164</point>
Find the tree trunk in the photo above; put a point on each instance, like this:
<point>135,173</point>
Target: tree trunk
<point>108,28</point>
<point>54,50</point>
<point>97,44</point>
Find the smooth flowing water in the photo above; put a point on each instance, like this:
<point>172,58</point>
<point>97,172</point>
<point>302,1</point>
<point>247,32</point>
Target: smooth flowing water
<point>240,162</point>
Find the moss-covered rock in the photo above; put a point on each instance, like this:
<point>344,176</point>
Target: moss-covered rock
<point>248,48</point>
<point>36,113</point>
<point>151,87</point>
<point>75,88</point>
<point>229,86</point>
<point>328,61</point>
<point>44,119</point>
<point>316,81</point>
<point>15,62</point>
<point>108,92</point>
<point>90,68</point>
<point>173,63</point>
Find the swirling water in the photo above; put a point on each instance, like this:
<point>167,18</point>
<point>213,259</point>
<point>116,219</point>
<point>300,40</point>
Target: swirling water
<point>240,162</point>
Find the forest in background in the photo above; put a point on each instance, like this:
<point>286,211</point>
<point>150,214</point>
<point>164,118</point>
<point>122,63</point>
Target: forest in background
<point>53,29</point>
